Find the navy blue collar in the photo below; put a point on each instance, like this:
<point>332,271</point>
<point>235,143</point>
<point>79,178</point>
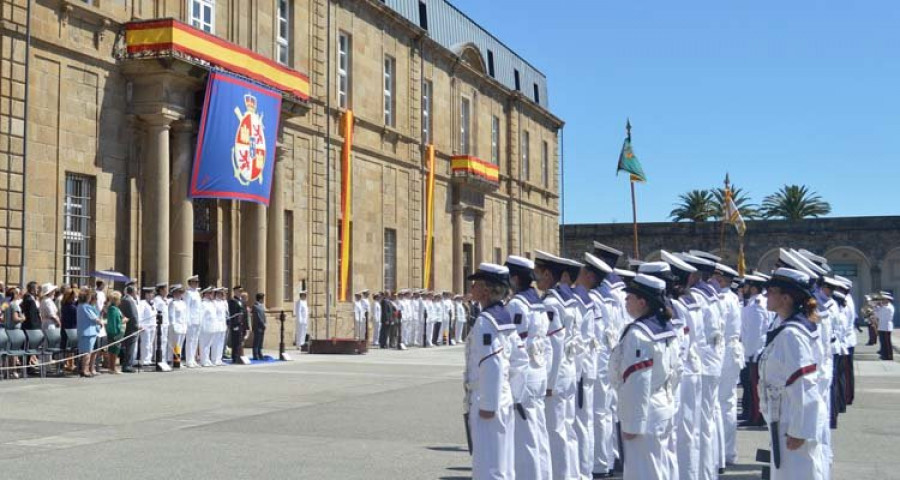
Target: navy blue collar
<point>802,320</point>
<point>565,291</point>
<point>529,296</point>
<point>582,293</point>
<point>499,316</point>
<point>654,327</point>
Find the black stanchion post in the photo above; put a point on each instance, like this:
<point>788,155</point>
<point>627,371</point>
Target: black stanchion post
<point>281,342</point>
<point>159,353</point>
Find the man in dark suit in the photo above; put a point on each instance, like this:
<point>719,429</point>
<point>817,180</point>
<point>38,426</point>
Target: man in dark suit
<point>236,321</point>
<point>387,319</point>
<point>259,325</point>
<point>129,309</point>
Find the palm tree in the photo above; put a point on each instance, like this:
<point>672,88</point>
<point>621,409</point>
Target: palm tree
<point>695,206</point>
<point>794,202</point>
<point>748,210</point>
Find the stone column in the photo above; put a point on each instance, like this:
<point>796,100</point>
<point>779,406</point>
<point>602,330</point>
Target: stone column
<point>458,279</point>
<point>275,237</point>
<point>181,221</point>
<point>253,248</point>
<point>155,199</point>
<point>478,236</point>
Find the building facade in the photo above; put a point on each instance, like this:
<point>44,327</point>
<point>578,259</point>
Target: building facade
<point>863,249</point>
<point>98,134</point>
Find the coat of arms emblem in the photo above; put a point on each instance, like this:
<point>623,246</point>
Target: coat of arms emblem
<point>248,156</point>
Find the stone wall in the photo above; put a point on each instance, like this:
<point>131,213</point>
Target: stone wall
<point>867,249</point>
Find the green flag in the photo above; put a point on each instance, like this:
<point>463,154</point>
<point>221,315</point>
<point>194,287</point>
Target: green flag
<point>628,162</point>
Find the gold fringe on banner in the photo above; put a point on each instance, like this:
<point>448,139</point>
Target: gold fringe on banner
<point>346,196</point>
<point>429,215</point>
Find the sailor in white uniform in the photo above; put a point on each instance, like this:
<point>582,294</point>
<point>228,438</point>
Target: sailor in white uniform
<point>552,278</point>
<point>207,325</point>
<point>301,316</point>
<point>712,350</point>
<point>733,361</point>
<point>755,320</point>
<point>528,374</point>
<point>161,305</point>
<point>148,327</point>
<point>791,399</point>
<point>688,317</point>
<point>178,322</point>
<point>192,339</point>
<point>605,336</point>
<point>645,367</point>
<point>585,370</point>
<point>489,400</point>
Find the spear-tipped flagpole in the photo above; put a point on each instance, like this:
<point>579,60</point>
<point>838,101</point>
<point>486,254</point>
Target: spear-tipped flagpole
<point>637,252</point>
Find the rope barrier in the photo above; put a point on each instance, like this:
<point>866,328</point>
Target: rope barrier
<point>62,360</point>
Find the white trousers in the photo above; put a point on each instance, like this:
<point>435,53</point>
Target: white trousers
<point>206,342</point>
<point>191,342</point>
<point>728,407</point>
<point>709,435</point>
<point>218,347</point>
<point>604,427</point>
<point>300,333</point>
<point>687,428</point>
<point>427,334</point>
<point>584,428</point>
<point>459,331</point>
<point>175,341</point>
<point>376,332</point>
<point>561,431</point>
<point>415,332</point>
<point>807,462</point>
<point>645,455</point>
<point>532,448</point>
<point>493,445</point>
<point>360,329</point>
<point>148,345</point>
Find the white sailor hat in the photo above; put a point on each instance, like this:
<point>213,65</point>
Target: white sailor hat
<point>792,279</point>
<point>726,271</point>
<point>702,264</point>
<point>813,257</point>
<point>788,259</point>
<point>848,284</point>
<point>761,274</point>
<point>515,261</point>
<point>678,265</point>
<point>491,272</point>
<point>548,260</point>
<point>624,274</point>
<point>648,287</point>
<point>635,263</point>
<point>573,267</point>
<point>886,295</point>
<point>147,289</point>
<point>176,287</point>
<point>47,288</point>
<point>193,278</point>
<point>208,289</point>
<point>832,282</point>
<point>660,270</point>
<point>358,294</point>
<point>755,279</point>
<point>162,285</point>
<point>706,255</point>
<point>809,264</point>
<point>302,291</point>
<point>839,295</point>
<point>596,265</point>
<point>609,254</point>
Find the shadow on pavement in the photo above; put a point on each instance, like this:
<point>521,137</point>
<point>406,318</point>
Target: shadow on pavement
<point>448,448</point>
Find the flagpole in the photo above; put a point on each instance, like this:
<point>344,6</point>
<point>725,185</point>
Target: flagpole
<point>637,253</point>
<point>725,197</point>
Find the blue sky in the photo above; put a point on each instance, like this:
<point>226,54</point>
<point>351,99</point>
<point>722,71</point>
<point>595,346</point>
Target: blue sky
<point>773,92</point>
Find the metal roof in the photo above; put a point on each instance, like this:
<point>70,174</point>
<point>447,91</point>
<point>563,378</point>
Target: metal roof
<point>450,27</point>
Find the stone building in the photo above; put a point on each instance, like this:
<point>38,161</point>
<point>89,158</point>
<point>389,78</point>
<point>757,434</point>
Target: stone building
<point>102,120</point>
<point>863,249</point>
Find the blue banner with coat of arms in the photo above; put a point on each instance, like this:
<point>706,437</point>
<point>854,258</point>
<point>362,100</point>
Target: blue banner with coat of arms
<point>235,155</point>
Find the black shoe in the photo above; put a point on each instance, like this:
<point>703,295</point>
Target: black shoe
<point>721,471</point>
<point>750,423</point>
<point>603,475</point>
<point>128,370</point>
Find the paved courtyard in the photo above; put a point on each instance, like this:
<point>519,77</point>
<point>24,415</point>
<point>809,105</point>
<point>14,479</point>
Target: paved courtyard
<point>385,415</point>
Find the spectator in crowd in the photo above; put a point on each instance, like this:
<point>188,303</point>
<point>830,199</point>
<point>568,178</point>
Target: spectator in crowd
<point>101,297</point>
<point>69,318</point>
<point>115,329</point>
<point>129,308</point>
<point>89,324</point>
<point>259,325</point>
<point>12,319</point>
<point>49,311</point>
<point>32,314</point>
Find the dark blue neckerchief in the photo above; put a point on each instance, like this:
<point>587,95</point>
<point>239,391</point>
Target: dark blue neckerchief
<point>499,314</point>
<point>582,293</point>
<point>565,291</point>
